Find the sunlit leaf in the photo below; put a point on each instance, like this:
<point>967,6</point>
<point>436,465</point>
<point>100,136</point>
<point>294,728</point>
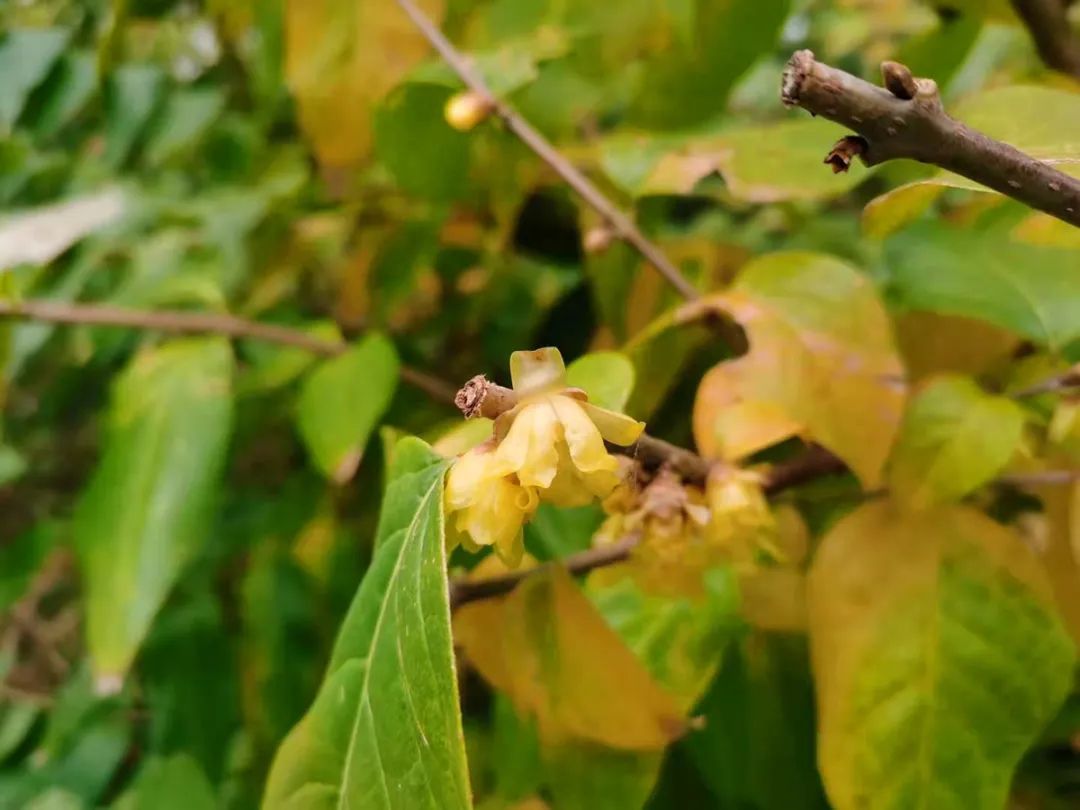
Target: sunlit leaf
<point>341,58</point>
<point>729,427</point>
<point>143,516</point>
<point>954,438</point>
<point>548,649</point>
<point>821,353</point>
<point>385,728</point>
<point>938,657</point>
<point>341,402</point>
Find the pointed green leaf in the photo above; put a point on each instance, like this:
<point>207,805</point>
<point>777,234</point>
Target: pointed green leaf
<point>175,783</point>
<point>607,377</point>
<point>938,658</point>
<point>954,438</point>
<point>343,400</point>
<point>385,728</point>
<point>141,519</point>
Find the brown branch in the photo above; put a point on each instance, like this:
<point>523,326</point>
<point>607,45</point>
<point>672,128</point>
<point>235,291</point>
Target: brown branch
<point>202,323</point>
<point>1048,25</point>
<point>463,591</point>
<point>907,120</point>
<point>621,224</point>
<point>481,397</point>
<point>1052,385</point>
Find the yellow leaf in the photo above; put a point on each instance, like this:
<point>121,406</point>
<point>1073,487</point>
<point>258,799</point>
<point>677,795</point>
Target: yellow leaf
<point>821,352</point>
<point>1062,549</point>
<point>937,654</point>
<point>729,427</point>
<point>341,57</point>
<point>548,649</point>
<point>775,599</point>
<point>932,343</point>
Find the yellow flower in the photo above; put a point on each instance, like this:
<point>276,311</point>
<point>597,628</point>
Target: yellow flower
<point>488,507</point>
<point>740,515</point>
<point>554,439</point>
<point>549,447</point>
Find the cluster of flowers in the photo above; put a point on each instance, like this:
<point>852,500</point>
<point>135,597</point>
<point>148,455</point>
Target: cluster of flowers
<point>550,448</point>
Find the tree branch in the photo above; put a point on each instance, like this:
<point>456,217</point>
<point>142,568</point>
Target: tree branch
<point>1048,25</point>
<point>907,120</point>
<point>463,591</point>
<point>1052,385</point>
<point>202,323</point>
<point>619,222</point>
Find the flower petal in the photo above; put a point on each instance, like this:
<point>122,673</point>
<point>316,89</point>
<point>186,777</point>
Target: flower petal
<point>616,428</point>
<point>537,371</point>
<point>529,447</point>
<point>583,439</point>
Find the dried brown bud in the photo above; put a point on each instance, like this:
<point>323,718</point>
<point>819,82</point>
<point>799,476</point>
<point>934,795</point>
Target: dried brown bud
<point>898,80</point>
<point>844,151</point>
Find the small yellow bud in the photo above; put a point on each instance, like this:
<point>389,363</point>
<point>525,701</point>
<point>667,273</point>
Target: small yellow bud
<point>466,109</point>
<point>598,239</point>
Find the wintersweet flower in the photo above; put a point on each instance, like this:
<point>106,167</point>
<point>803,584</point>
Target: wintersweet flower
<point>548,447</point>
<point>488,507</point>
<point>740,518</point>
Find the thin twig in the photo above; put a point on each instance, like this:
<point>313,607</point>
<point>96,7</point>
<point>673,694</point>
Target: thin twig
<point>481,397</point>
<point>617,220</point>
<point>1059,382</point>
<point>202,323</point>
<point>463,591</point>
<point>907,120</point>
<point>1055,41</point>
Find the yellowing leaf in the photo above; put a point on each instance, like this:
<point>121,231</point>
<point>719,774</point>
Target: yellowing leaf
<point>342,56</point>
<point>955,437</point>
<point>1061,555</point>
<point>937,654</point>
<point>821,352</point>
<point>548,649</point>
<point>728,427</point>
<point>932,343</point>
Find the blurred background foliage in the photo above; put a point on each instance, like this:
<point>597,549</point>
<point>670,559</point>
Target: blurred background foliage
<point>289,161</point>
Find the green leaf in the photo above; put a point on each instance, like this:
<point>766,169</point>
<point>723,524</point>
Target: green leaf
<point>342,401</point>
<point>176,783</point>
<point>184,119</point>
<point>425,154</point>
<point>759,722</point>
<point>954,438</point>
<point>26,56</point>
<point>68,93</point>
<point>607,377</point>
<point>938,658</point>
<point>1027,289</point>
<point>719,40</point>
<point>142,517</point>
<point>385,729</point>
<point>132,95</point>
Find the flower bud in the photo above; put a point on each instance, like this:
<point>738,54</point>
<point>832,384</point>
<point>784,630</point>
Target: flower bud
<point>466,109</point>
